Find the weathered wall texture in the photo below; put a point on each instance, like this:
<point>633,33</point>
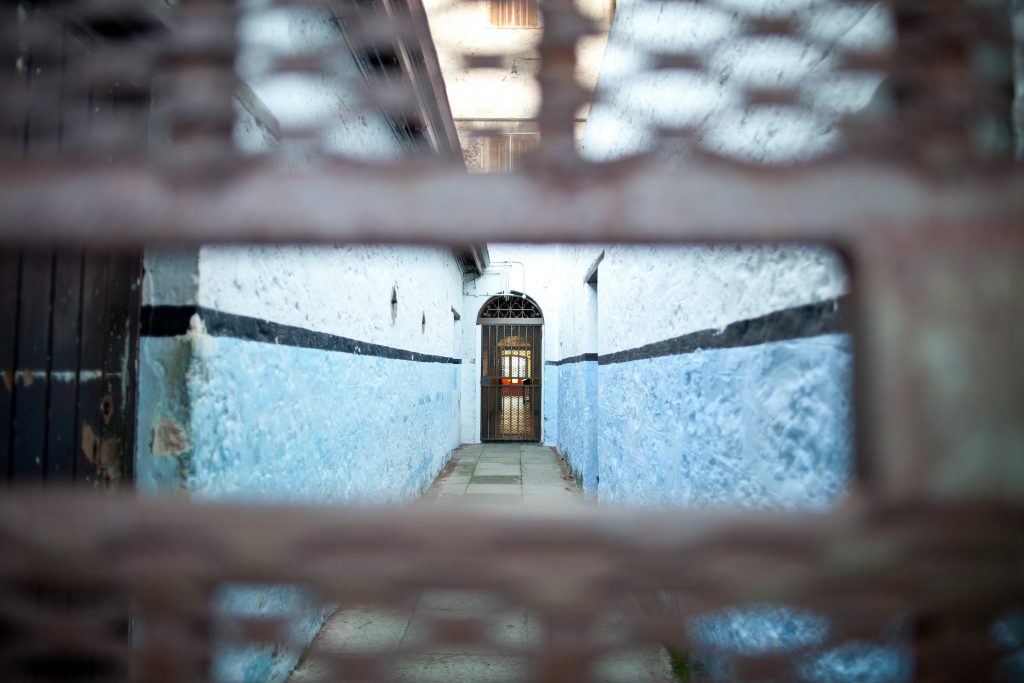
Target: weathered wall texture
<point>757,422</point>
<point>735,445</point>
<point>759,426</point>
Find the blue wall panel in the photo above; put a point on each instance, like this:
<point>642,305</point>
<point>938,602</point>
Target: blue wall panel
<point>550,384</point>
<point>577,421</point>
<point>756,426</point>
<point>288,423</point>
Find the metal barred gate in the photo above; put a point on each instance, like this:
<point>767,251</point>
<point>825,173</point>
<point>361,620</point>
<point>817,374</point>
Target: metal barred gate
<point>510,369</point>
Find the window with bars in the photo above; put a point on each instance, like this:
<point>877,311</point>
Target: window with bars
<point>515,13</point>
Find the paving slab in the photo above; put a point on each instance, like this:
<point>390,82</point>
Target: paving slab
<point>487,499</point>
<point>496,479</point>
<point>364,630</point>
<point>500,628</point>
<point>498,468</point>
<point>458,600</point>
<point>437,668</point>
<point>546,490</point>
<point>500,489</point>
<point>549,478</point>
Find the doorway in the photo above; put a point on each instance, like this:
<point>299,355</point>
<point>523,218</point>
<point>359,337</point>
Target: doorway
<point>510,368</point>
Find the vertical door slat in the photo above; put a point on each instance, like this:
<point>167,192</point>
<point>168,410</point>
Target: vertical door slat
<point>31,379</point>
<point>63,405</point>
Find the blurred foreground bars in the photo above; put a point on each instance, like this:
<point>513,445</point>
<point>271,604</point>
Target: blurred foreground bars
<point>117,131</point>
<point>74,570</point>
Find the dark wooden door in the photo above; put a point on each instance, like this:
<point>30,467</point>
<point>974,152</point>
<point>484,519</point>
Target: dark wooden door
<point>68,345</point>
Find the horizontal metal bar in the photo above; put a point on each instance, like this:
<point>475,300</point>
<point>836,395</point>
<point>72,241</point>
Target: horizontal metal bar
<point>510,321</point>
<point>132,205</point>
<point>836,558</point>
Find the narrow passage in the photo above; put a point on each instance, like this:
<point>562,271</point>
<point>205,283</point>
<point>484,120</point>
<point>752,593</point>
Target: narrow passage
<point>506,473</point>
<point>478,475</point>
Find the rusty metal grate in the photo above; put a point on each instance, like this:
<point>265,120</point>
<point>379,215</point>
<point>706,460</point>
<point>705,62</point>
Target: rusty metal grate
<point>128,109</point>
<point>117,130</point>
<point>598,584</point>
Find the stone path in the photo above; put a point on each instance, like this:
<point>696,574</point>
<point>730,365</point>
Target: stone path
<point>498,474</point>
<point>478,475</point>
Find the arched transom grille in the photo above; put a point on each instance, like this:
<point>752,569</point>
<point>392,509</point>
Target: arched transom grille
<point>510,306</point>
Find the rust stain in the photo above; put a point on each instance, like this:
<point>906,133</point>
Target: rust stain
<point>8,381</point>
<point>168,439</point>
<point>102,452</point>
<point>27,378</point>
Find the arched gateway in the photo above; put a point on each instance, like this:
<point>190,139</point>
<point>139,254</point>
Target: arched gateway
<point>510,365</point>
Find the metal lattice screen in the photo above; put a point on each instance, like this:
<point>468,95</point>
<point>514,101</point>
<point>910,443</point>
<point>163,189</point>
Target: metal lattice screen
<point>118,129</point>
<point>599,585</point>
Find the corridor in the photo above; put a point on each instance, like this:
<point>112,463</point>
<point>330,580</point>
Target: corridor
<point>479,477</point>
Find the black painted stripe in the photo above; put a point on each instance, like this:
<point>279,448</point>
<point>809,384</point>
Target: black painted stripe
<point>810,320</point>
<point>172,321</point>
<point>574,359</point>
<point>799,322</point>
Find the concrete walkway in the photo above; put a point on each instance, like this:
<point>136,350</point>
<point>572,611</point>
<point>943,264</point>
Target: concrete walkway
<point>505,473</point>
<point>478,475</point>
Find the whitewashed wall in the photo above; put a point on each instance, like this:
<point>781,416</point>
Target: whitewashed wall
<point>341,290</point>
<point>656,293</point>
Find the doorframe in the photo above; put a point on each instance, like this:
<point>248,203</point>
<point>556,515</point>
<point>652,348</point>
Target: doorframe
<point>481,322</point>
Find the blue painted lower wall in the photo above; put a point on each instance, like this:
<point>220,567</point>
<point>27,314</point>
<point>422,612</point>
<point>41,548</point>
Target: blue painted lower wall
<point>756,426</point>
<point>226,418</point>
<point>550,393</point>
<point>287,423</point>
<point>577,421</point>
